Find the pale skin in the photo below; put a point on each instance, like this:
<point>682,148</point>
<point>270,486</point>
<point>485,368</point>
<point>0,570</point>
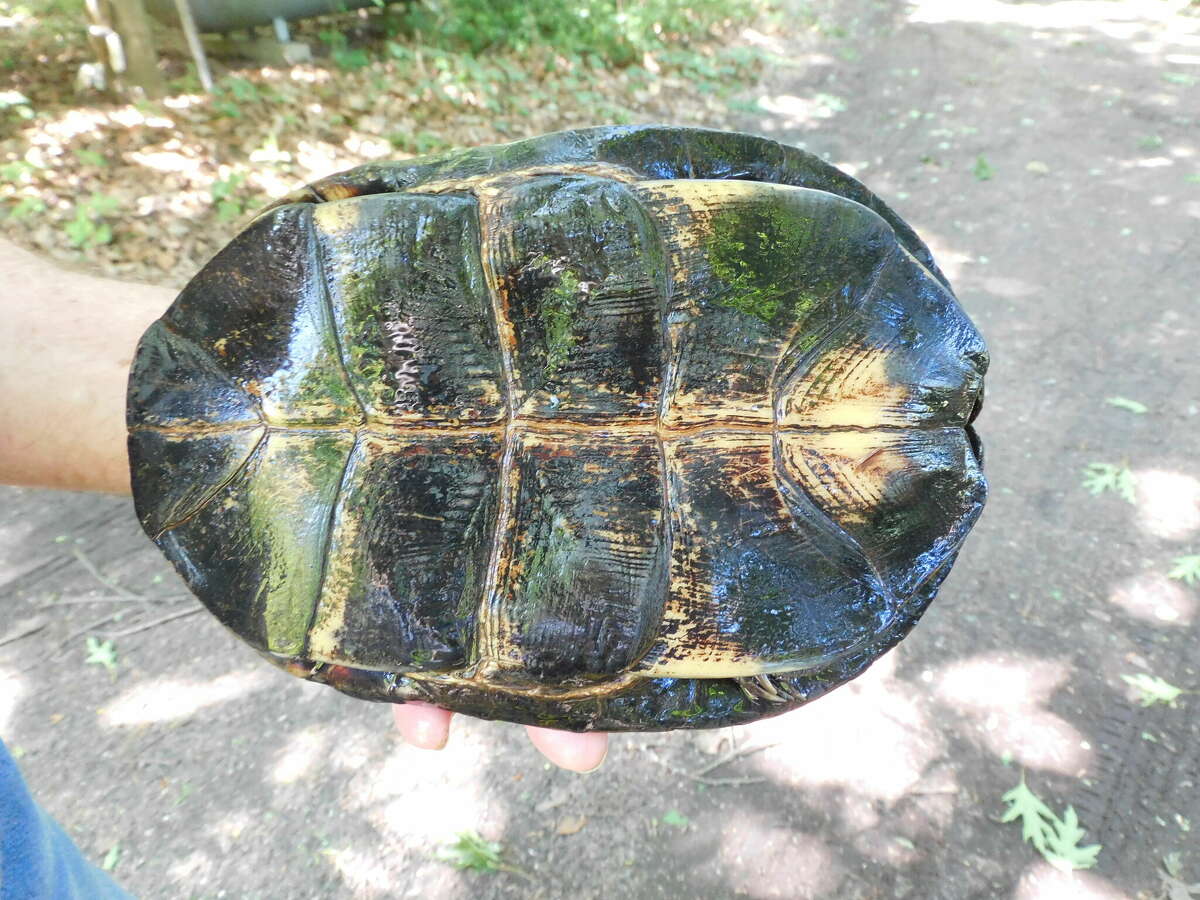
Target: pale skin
<point>66,343</point>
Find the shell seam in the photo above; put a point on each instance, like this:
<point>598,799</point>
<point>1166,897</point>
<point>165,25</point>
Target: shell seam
<point>216,490</point>
<point>666,389</point>
<point>487,619</point>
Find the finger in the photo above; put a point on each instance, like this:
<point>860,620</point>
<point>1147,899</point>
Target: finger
<point>422,724</point>
<point>577,752</point>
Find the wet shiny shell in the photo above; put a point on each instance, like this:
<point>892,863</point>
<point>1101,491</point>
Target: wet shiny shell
<point>621,428</point>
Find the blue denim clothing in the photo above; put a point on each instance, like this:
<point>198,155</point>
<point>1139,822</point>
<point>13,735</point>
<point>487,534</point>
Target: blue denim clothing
<point>37,859</point>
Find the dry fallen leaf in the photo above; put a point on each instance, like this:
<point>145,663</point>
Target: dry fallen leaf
<point>570,825</point>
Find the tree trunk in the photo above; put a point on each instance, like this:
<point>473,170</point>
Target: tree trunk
<point>140,56</point>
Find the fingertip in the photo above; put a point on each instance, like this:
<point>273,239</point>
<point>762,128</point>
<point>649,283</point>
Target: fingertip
<point>422,724</point>
<point>568,750</point>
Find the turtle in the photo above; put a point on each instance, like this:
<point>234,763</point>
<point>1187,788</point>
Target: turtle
<point>618,428</point>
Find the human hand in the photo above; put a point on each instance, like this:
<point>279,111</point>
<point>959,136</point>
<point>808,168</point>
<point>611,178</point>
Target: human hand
<point>427,726</point>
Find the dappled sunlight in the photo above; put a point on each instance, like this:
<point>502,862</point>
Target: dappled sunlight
<point>303,752</point>
<point>1168,503</point>
<point>368,146</point>
<point>171,157</point>
<point>1041,881</point>
<point>949,259</point>
<point>1153,597</point>
<point>362,873</point>
<point>1005,695</point>
<point>837,741</point>
<point>317,159</point>
<point>1007,287</point>
<point>12,689</point>
<point>170,699</point>
<point>799,109</point>
<point>763,859</point>
<point>229,830</point>
<point>413,795</point>
<point>1119,19</point>
<point>197,867</point>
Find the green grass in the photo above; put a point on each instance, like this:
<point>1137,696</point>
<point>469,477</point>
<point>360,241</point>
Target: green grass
<point>617,32</point>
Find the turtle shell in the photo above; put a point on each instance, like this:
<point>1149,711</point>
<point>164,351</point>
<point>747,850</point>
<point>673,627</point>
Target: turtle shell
<point>621,428</point>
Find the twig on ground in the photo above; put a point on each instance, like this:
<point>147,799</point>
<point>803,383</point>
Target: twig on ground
<point>24,628</point>
<point>86,628</point>
<point>77,601</point>
<point>730,757</point>
<point>701,775</point>
<point>146,626</point>
<point>103,579</point>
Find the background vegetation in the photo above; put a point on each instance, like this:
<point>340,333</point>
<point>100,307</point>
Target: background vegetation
<point>150,188</point>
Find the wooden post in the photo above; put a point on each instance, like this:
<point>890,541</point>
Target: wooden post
<point>141,59</point>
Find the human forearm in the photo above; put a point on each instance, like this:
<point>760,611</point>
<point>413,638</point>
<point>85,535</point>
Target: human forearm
<point>66,342</point>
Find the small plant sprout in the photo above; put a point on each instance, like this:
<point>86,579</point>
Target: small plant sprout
<point>89,228</point>
<point>983,170</point>
<point>1173,885</point>
<point>102,653</point>
<point>111,858</point>
<point>1099,477</point>
<point>1152,689</point>
<point>1125,403</point>
<point>1056,839</point>
<point>472,851</point>
<point>225,196</point>
<point>1187,569</point>
<point>675,818</point>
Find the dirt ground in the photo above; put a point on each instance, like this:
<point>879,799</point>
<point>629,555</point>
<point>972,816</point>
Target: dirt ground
<point>1050,154</point>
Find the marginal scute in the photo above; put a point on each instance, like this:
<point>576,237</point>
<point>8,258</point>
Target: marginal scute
<point>174,473</point>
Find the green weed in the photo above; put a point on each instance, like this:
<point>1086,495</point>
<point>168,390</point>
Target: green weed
<point>1125,403</point>
<point>90,158</point>
<point>1056,839</point>
<point>471,851</point>
<point>983,170</point>
<point>89,228</point>
<point>225,196</point>
<point>26,207</point>
<point>615,32</point>
<point>1100,477</point>
<point>102,653</point>
<point>675,818</point>
<point>344,56</point>
<point>1187,569</point>
<point>111,858</point>
<point>1152,689</point>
